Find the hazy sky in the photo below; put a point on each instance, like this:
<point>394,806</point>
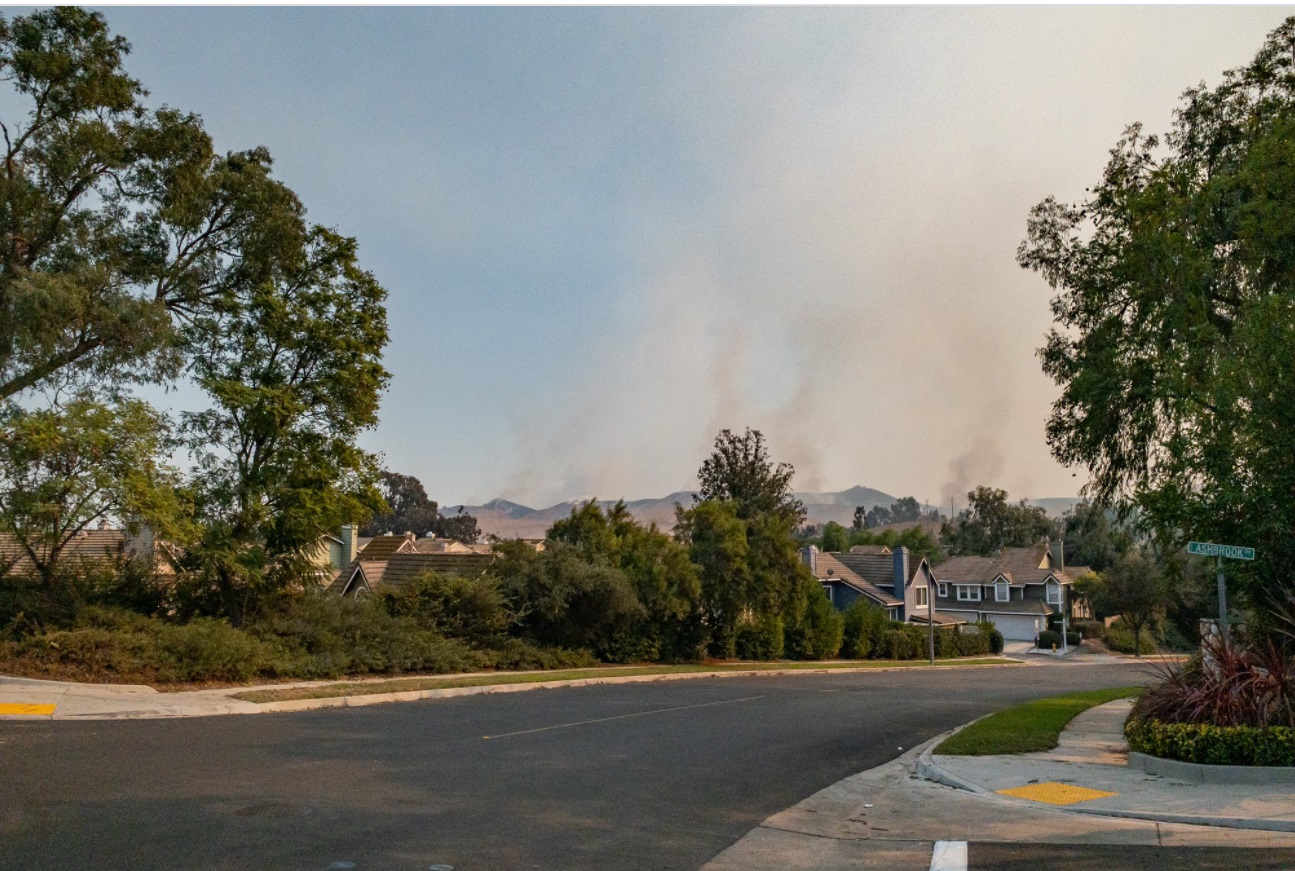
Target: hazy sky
<point>607,234</point>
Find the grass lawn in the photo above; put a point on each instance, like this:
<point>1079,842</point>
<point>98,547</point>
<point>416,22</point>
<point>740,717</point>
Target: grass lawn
<point>396,685</point>
<point>1028,728</point>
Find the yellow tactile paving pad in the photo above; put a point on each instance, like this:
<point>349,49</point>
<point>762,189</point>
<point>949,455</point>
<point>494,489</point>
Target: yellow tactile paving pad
<point>26,710</point>
<point>1056,793</point>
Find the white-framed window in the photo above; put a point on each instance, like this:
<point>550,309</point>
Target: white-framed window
<point>943,590</point>
<point>921,594</point>
<point>1002,592</point>
<point>967,592</point>
<point>1054,593</point>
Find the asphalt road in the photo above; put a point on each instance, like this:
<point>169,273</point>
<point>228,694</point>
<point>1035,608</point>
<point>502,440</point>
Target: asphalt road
<point>637,776</point>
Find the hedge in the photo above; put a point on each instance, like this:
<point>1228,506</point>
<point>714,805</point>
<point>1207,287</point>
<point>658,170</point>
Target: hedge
<point>1212,745</point>
<point>1047,639</point>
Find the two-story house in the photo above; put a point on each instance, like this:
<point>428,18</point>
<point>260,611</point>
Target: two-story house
<point>893,580</point>
<point>1016,591</point>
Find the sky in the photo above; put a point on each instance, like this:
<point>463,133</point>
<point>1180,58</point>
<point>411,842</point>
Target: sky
<point>607,234</point>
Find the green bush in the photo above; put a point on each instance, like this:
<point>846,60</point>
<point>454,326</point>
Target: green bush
<point>972,643</point>
<point>896,644</point>
<point>1089,628</point>
<point>472,609</point>
<point>820,629</point>
<point>995,637</point>
<point>1048,639</point>
<point>1120,637</point>
<point>863,626</point>
<point>1212,745</point>
<point>760,640</point>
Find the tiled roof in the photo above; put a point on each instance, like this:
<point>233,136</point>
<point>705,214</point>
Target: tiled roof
<point>979,569</point>
<point>828,568</point>
<point>383,546</point>
<point>877,568</point>
<point>871,549</point>
<point>405,566</point>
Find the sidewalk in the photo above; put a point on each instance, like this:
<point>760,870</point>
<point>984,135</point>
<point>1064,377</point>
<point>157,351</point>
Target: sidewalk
<point>1087,773</point>
<point>891,817</point>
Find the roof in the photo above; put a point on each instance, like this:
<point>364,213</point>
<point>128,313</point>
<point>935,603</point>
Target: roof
<point>828,568</point>
<point>406,566</point>
<point>1020,565</point>
<point>870,549</point>
<point>383,546</point>
<point>88,545</point>
<point>941,619</point>
<point>1029,606</point>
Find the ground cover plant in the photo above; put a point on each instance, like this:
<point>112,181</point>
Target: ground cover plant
<point>1028,728</point>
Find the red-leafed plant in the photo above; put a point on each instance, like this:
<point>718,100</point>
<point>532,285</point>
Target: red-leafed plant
<point>1226,684</point>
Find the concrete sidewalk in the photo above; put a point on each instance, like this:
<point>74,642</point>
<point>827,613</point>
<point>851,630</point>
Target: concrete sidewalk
<point>890,818</point>
<point>1088,773</point>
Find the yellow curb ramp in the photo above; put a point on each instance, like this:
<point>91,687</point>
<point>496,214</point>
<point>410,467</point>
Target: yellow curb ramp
<point>1056,793</point>
<point>12,709</point>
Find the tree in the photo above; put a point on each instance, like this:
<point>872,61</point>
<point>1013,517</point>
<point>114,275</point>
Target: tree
<point>1134,588</point>
<point>905,510</point>
<point>716,539</point>
<point>409,510</point>
<point>740,470</point>
<point>666,582</point>
<point>292,364</point>
<point>1175,304</point>
<point>835,537</point>
<point>1094,536</point>
<point>118,224</point>
<point>65,468</point>
<point>860,518</point>
<point>990,524</point>
<point>878,515</point>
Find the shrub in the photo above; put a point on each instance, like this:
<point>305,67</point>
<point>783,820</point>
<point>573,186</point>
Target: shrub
<point>820,630</point>
<point>760,640</point>
<point>1225,685</point>
<point>1048,639</point>
<point>1089,628</point>
<point>1212,745</point>
<point>896,644</point>
<point>864,623</point>
<point>995,637</point>
<point>473,609</point>
<point>973,643</point>
<point>1120,637</point>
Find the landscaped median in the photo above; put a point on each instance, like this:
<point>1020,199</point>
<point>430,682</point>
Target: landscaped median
<point>1029,728</point>
<point>584,675</point>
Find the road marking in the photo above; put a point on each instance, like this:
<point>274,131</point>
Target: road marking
<point>949,856</point>
<point>620,717</point>
<point>1056,793</point>
<point>12,709</point>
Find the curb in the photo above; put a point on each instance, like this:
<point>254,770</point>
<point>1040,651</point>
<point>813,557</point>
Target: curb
<point>367,699</point>
<point>931,770</point>
<point>1222,775</point>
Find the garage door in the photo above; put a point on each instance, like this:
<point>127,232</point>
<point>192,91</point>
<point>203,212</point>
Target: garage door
<point>1017,627</point>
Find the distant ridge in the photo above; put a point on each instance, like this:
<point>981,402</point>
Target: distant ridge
<point>511,520</point>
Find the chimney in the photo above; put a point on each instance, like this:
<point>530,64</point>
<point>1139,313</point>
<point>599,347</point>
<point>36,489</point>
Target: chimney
<point>350,544</point>
<point>1057,549</point>
<point>900,556</point>
<point>809,555</point>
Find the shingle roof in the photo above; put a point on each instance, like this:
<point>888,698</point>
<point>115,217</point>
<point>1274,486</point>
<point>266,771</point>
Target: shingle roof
<point>405,566</point>
<point>1020,565</point>
<point>828,568</point>
<point>1029,606</point>
<point>871,549</point>
<point>941,619</point>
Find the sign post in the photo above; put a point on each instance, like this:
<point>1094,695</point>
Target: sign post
<point>1219,552</point>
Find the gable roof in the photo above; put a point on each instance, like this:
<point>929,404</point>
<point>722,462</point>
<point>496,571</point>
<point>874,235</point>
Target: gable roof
<point>870,549</point>
<point>828,568</point>
<point>383,546</point>
<point>406,566</point>
<point>1019,565</point>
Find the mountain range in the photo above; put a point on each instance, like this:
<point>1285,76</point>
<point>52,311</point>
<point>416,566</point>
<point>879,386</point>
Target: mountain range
<point>511,520</point>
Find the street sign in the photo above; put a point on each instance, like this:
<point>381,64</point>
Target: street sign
<point>1228,551</point>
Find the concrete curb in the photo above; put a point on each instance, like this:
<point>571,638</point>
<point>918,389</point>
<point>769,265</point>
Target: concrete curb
<point>364,700</point>
<point>931,770</point>
<point>1195,772</point>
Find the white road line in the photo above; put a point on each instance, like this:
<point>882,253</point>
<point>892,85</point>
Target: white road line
<point>620,717</point>
<point>949,856</point>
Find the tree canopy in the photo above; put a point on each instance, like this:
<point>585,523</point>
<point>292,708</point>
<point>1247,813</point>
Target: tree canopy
<point>410,510</point>
<point>739,470</point>
<point>1175,309</point>
<point>991,523</point>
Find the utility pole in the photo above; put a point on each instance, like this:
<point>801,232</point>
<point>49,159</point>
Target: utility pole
<point>930,614</point>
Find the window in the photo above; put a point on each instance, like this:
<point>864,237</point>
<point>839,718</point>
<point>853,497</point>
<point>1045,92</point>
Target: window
<point>968,593</point>
<point>943,590</point>
<point>1002,592</point>
<point>1054,594</point>
<point>922,600</point>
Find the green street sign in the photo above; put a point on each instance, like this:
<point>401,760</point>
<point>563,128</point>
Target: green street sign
<point>1202,548</point>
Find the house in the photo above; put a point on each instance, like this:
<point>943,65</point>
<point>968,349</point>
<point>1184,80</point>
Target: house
<point>432,544</point>
<point>871,549</point>
<point>1016,591</point>
<point>893,581</point>
<point>402,565</point>
<point>100,546</point>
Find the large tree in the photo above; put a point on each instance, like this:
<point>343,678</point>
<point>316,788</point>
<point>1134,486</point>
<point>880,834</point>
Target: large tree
<point>292,364</point>
<point>118,223</point>
<point>739,470</point>
<point>991,523</point>
<point>410,510</point>
<point>1134,588</point>
<point>1175,303</point>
